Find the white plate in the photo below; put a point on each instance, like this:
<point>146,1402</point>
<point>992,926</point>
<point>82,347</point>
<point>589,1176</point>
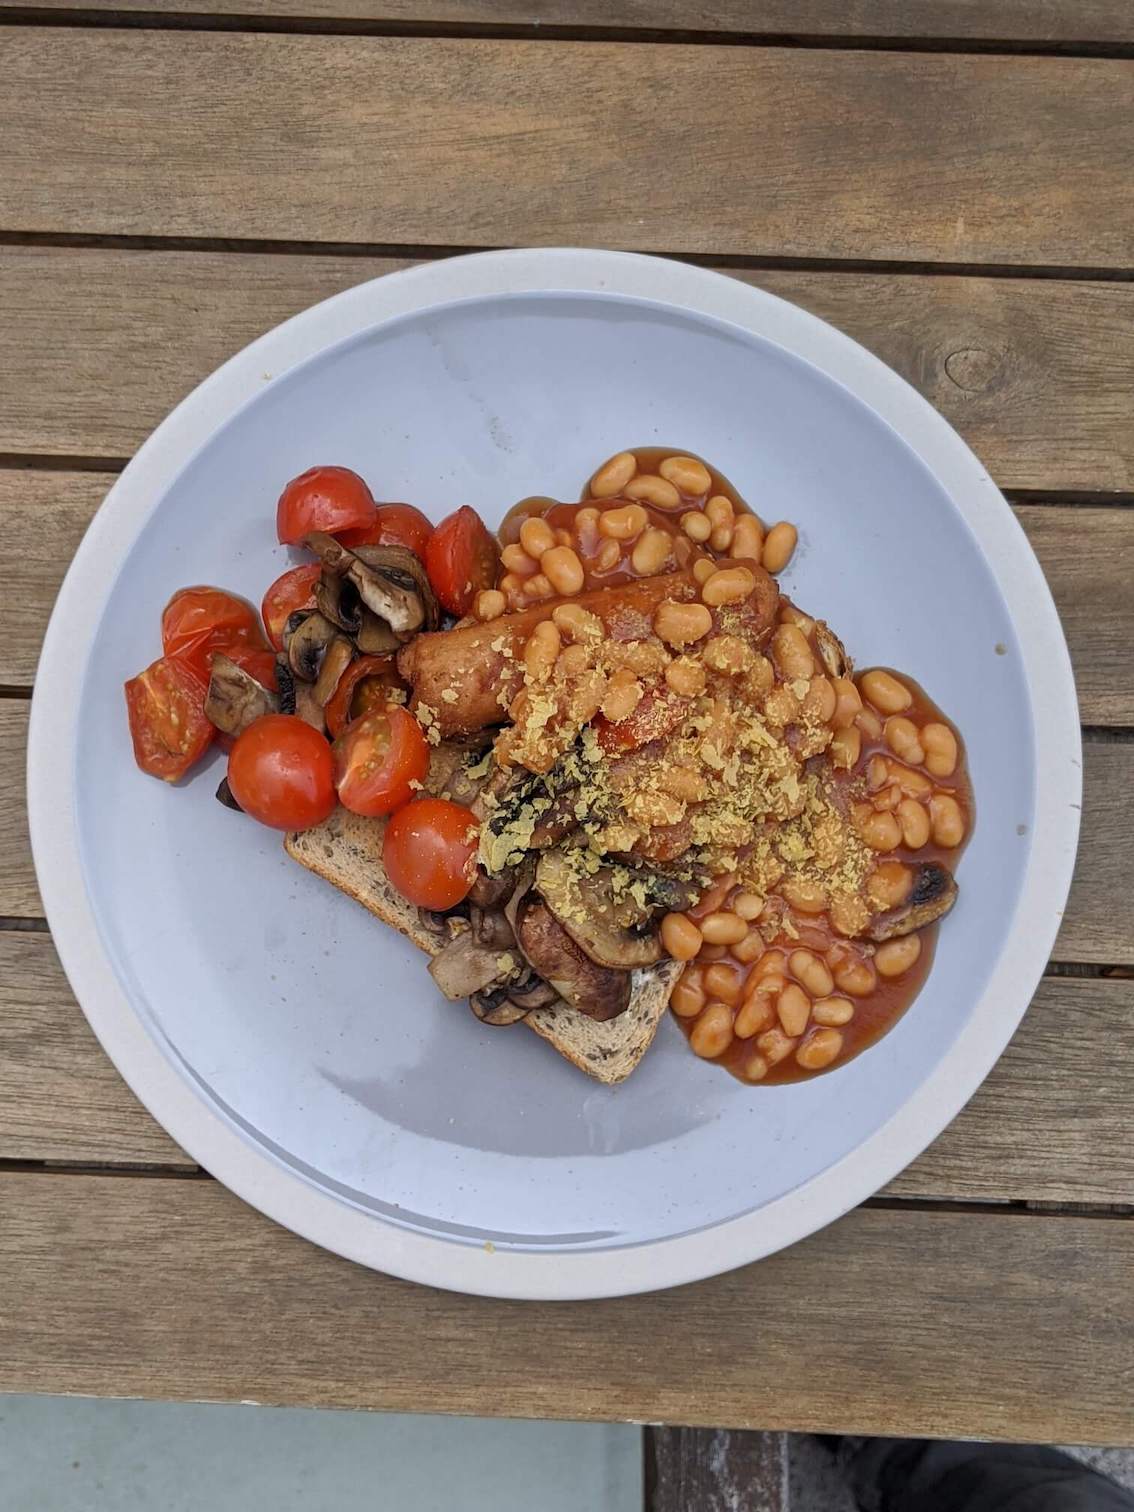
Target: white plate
<point>294,1047</point>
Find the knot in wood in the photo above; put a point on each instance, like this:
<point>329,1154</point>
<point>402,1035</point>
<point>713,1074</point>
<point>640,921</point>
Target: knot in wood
<point>974,369</point>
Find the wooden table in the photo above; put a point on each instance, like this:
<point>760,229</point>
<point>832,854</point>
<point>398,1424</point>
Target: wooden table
<point>952,182</point>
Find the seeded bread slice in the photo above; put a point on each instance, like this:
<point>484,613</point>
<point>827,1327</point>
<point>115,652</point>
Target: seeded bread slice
<point>346,850</point>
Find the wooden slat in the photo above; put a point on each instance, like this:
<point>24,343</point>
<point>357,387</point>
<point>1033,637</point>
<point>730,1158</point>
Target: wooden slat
<point>1094,21</point>
<point>1049,1125</point>
<point>134,1286</point>
<point>811,152</point>
<point>99,345</point>
<point>19,895</point>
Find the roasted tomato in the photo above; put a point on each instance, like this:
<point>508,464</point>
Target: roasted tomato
<point>365,686</point>
<point>295,589</point>
<point>429,851</point>
<point>257,662</point>
<point>380,761</point>
<point>396,525</point>
<point>461,559</point>
<point>281,771</point>
<point>199,621</point>
<point>658,714</point>
<point>166,705</point>
<point>323,498</point>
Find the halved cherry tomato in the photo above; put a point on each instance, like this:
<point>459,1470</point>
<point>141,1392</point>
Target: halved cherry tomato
<point>198,621</point>
<point>323,498</point>
<point>396,525</point>
<point>166,705</point>
<point>429,851</point>
<point>380,760</point>
<point>461,559</point>
<point>294,589</point>
<point>657,715</point>
<point>282,772</point>
<point>365,686</point>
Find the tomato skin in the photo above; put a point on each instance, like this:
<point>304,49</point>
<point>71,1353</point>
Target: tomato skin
<point>282,773</point>
<point>199,621</point>
<point>396,525</point>
<point>658,714</point>
<point>292,590</point>
<point>166,708</point>
<point>364,687</point>
<point>429,852</point>
<point>323,498</point>
<point>257,662</point>
<point>380,761</point>
<point>461,559</point>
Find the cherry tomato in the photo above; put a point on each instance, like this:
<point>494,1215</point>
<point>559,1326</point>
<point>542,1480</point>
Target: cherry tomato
<point>365,686</point>
<point>658,714</point>
<point>198,621</point>
<point>429,851</point>
<point>396,525</point>
<point>379,760</point>
<point>282,772</point>
<point>166,706</point>
<point>461,559</point>
<point>323,498</point>
<point>295,589</point>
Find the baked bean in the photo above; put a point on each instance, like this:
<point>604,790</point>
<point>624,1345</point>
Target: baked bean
<point>748,905</point>
<point>747,538</point>
<point>720,510</point>
<point>833,1012</point>
<point>724,982</point>
<point>564,536</point>
<point>723,928</point>
<point>703,569</point>
<point>683,550</point>
<point>655,491</point>
<point>573,661</point>
<point>729,585</point>
<point>775,1046</point>
<point>511,585</point>
<point>772,963</point>
<point>721,538</point>
<point>819,701</point>
<point>947,820</point>
<point>517,560</point>
<point>687,474</point>
<point>623,695</point>
<point>912,784</point>
<point>781,707</point>
<point>915,823</point>
<point>845,748</point>
<point>681,624</point>
<point>623,524</point>
<point>728,654</point>
<point>855,976</point>
<point>751,948</point>
<point>805,894</point>
<point>885,692</point>
<point>881,832</point>
<point>813,973</point>
<point>940,749</point>
<point>903,739</point>
<point>760,675</point>
<point>756,1014</point>
<point>755,1067</point>
<point>697,525</point>
<point>688,997</point>
<point>575,623</point>
<point>791,653</point>
<point>536,536</point>
<point>685,677</point>
<point>888,799</point>
<point>712,1033</point>
<point>680,936</point>
<point>790,615</point>
<point>877,774</point>
<point>586,518</point>
<point>889,884</point>
<point>609,556</point>
<point>779,544</point>
<point>613,476</point>
<point>563,570</point>
<point>490,604</point>
<point>896,956</point>
<point>682,782</point>
<point>651,552</point>
<point>819,1049</point>
<point>539,587</point>
<point>848,702</point>
<point>713,897</point>
<point>849,914</point>
<point>540,651</point>
<point>869,723</point>
<point>713,952</point>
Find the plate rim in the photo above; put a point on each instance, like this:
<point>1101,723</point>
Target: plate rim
<point>521,1274</point>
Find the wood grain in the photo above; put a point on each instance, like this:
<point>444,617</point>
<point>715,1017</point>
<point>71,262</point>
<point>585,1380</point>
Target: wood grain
<point>715,1470</point>
<point>1065,21</point>
<point>60,1098</point>
<point>99,346</point>
<point>842,154</point>
<point>172,1288</point>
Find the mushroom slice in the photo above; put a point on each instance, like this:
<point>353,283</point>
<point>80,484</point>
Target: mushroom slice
<point>612,924</point>
<point>490,927</point>
<point>224,795</point>
<point>307,644</point>
<point>933,894</point>
<point>235,698</point>
<point>491,892</point>
<point>496,1007</point>
<point>336,659</point>
<point>466,966</point>
<point>534,993</point>
<point>338,600</point>
<point>374,637</point>
<point>390,581</point>
<point>832,652</point>
<point>598,991</point>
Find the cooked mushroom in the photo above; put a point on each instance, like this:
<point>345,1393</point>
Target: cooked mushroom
<point>375,638</point>
<point>490,927</point>
<point>307,642</point>
<point>466,966</point>
<point>491,892</point>
<point>224,795</point>
<point>609,912</point>
<point>285,682</point>
<point>337,599</point>
<point>497,1008</point>
<point>832,652</point>
<point>533,993</point>
<point>598,991</point>
<point>235,698</point>
<point>336,659</point>
<point>389,580</point>
<point>933,894</point>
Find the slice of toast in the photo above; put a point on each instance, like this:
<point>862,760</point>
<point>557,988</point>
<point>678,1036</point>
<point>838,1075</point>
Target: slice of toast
<point>347,851</point>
